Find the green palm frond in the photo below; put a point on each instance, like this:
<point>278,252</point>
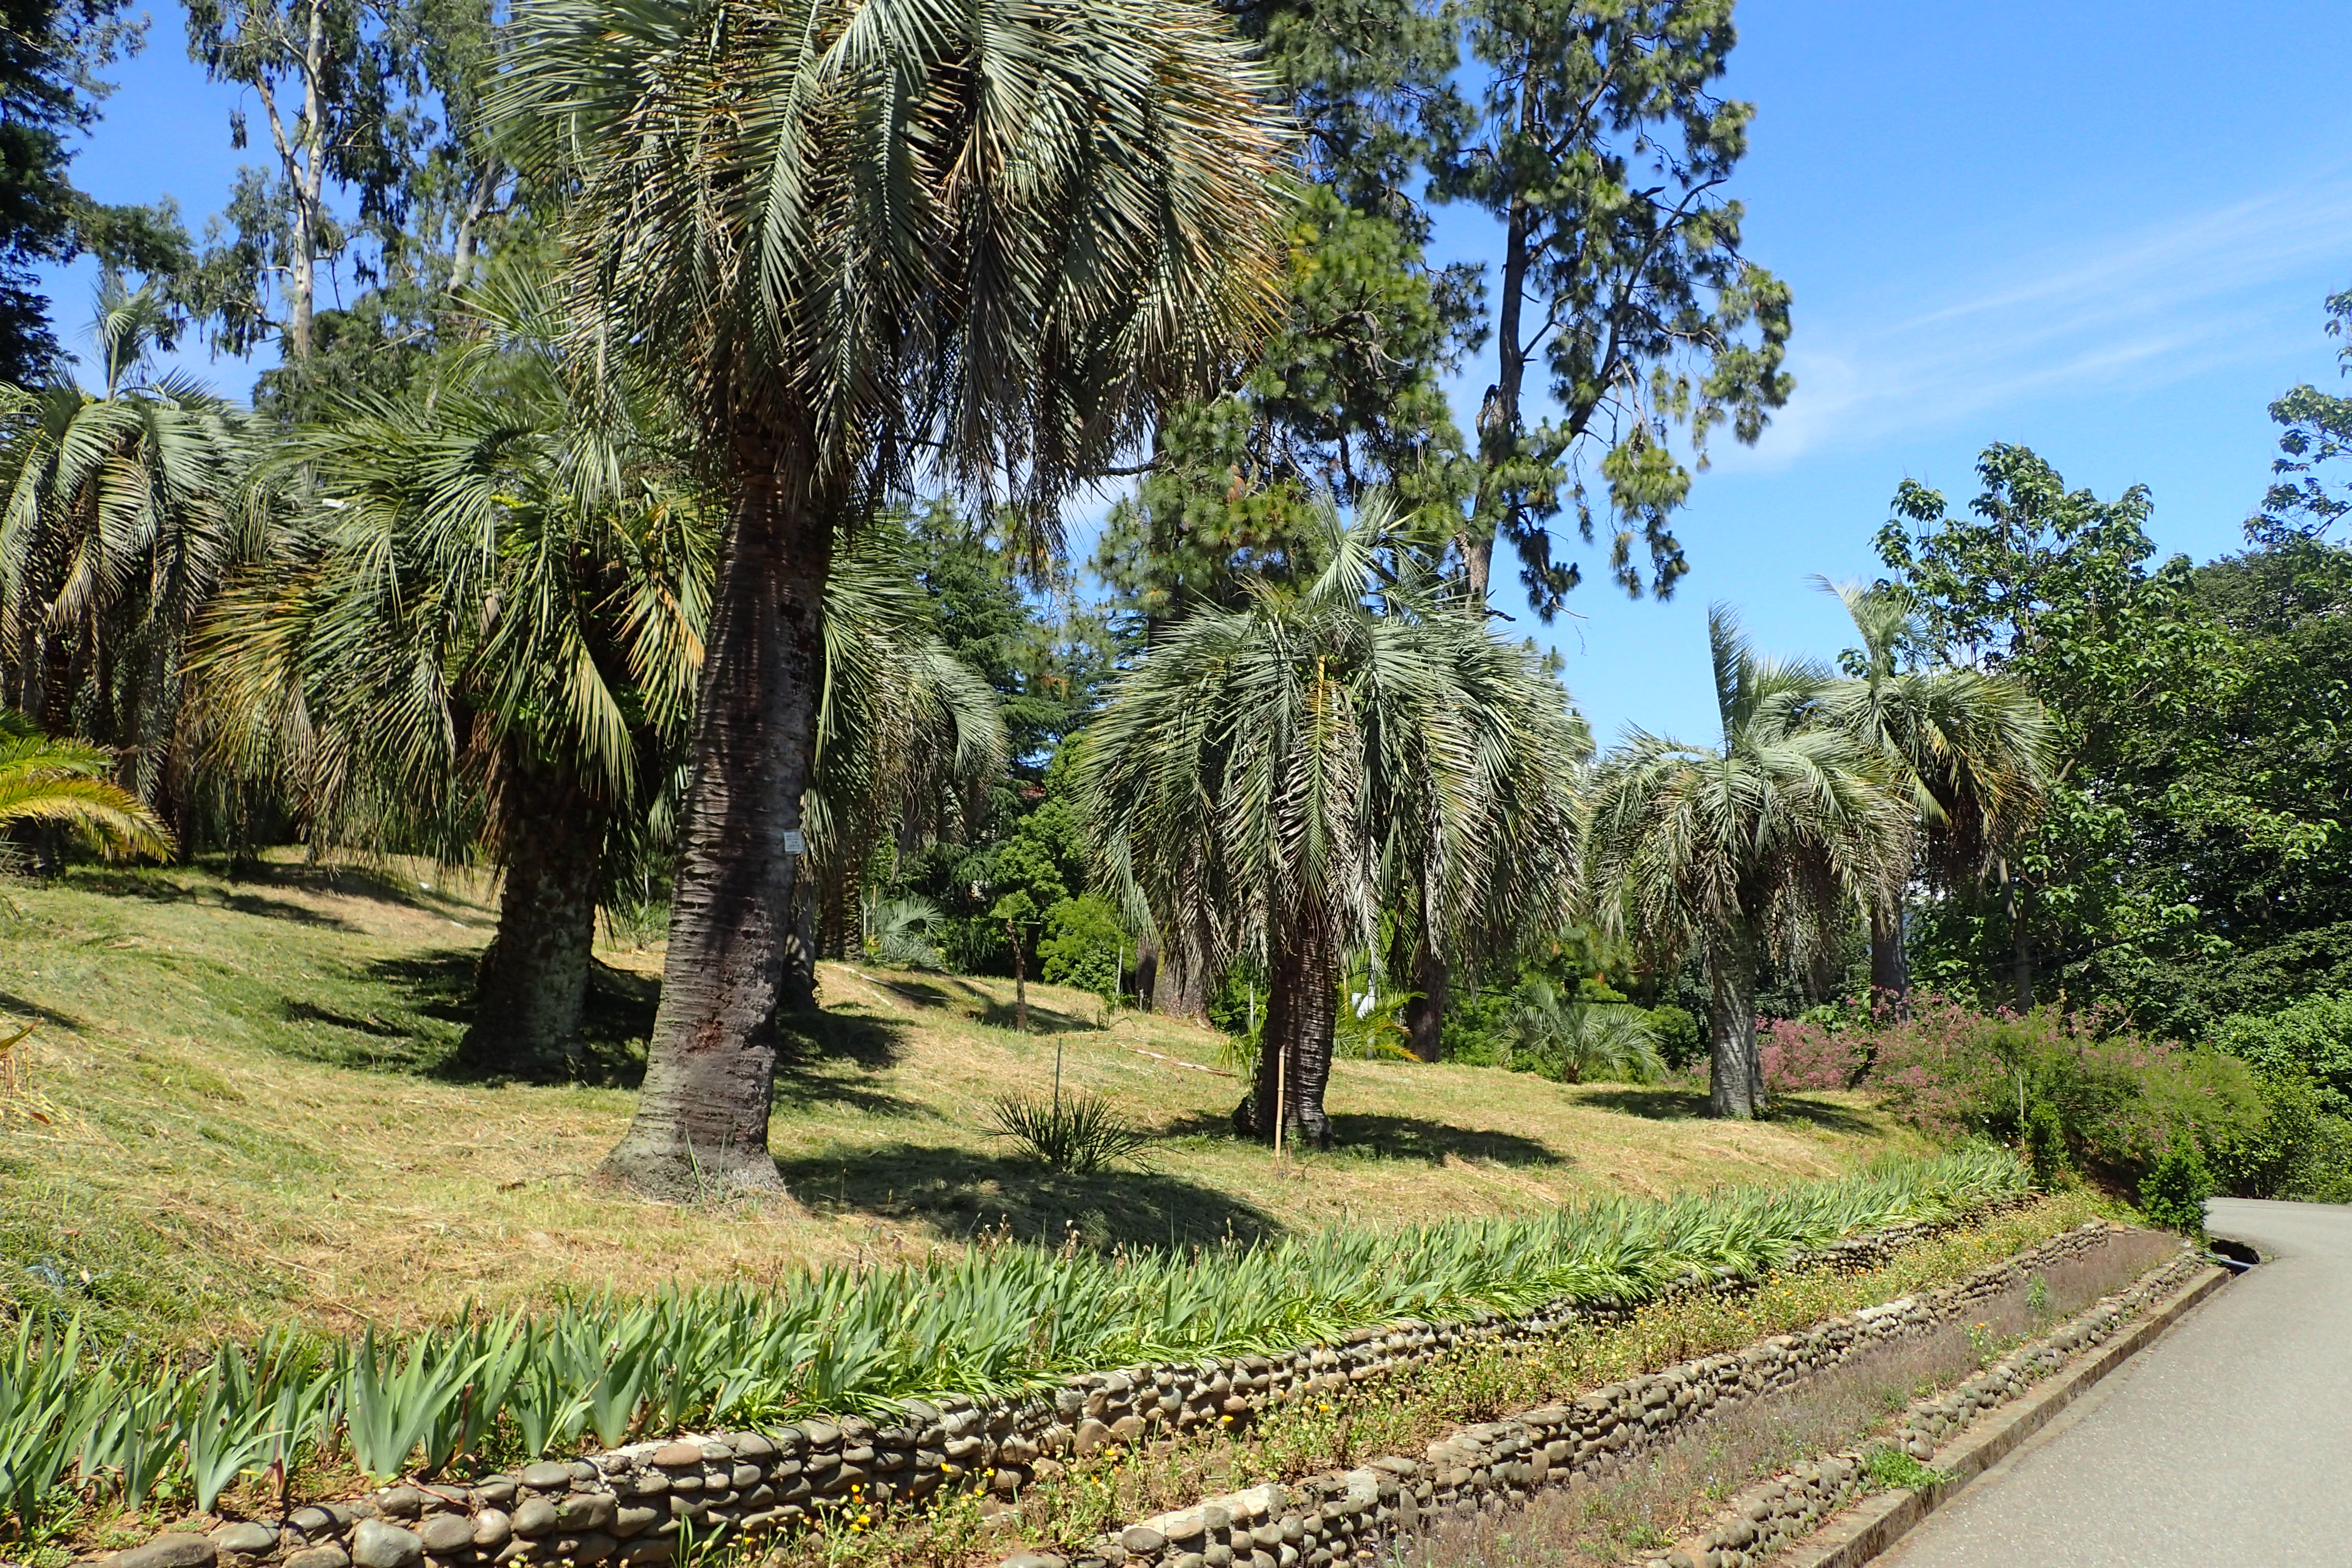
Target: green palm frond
<point>67,784</point>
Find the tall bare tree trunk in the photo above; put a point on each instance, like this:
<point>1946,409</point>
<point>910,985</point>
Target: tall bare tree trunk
<point>1500,420</point>
<point>702,1119</point>
<point>2015,898</point>
<point>533,978</point>
<point>1890,966</point>
<point>1736,1085</point>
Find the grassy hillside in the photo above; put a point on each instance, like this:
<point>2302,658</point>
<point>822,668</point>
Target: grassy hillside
<point>238,1106</point>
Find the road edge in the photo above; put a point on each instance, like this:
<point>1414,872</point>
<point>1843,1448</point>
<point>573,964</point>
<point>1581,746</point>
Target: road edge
<point>1868,1529</point>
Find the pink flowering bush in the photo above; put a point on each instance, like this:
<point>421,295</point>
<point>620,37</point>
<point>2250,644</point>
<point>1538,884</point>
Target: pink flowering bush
<point>2119,1100</point>
<point>1802,1054</point>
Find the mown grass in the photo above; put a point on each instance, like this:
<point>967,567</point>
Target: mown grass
<point>240,1108</point>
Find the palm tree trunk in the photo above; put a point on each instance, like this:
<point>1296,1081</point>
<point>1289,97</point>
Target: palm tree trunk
<point>1301,1007</point>
<point>1890,967</point>
<point>702,1118</point>
<point>533,978</point>
<point>1736,1087</point>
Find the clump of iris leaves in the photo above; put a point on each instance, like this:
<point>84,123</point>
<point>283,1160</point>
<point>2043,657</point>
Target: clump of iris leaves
<point>991,1321</point>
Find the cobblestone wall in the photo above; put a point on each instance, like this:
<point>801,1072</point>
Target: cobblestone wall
<point>634,1505</point>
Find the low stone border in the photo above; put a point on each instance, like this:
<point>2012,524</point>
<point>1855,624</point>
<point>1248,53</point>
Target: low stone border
<point>1862,1532</point>
<point>631,1506</point>
<point>1489,1466</point>
<point>1787,1508</point>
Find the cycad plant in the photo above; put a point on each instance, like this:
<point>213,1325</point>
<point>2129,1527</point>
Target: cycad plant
<point>1573,1041</point>
<point>1765,843</point>
<point>1971,751</point>
<point>1270,774</point>
<point>67,786</point>
<point>119,520</point>
<point>861,240</point>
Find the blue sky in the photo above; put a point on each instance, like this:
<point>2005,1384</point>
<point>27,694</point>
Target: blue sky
<point>2101,230</point>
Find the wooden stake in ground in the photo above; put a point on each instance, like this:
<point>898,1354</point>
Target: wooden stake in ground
<point>1020,979</point>
<point>1281,1097</point>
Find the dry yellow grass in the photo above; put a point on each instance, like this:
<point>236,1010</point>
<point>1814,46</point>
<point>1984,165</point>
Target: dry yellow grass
<point>239,1109</point>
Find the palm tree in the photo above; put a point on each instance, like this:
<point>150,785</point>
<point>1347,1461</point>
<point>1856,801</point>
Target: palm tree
<point>1971,751</point>
<point>1761,844</point>
<point>118,520</point>
<point>988,241</point>
<point>1580,1042</point>
<point>1270,774</point>
<point>484,621</point>
<point>906,731</point>
<point>68,785</point>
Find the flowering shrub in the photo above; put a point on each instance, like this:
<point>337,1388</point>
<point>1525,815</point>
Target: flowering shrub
<point>1806,1053</point>
<point>2119,1101</point>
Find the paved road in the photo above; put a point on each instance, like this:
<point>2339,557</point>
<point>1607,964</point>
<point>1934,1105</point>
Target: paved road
<point>2227,1442</point>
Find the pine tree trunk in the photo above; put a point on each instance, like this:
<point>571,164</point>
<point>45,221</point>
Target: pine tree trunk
<point>1736,1085</point>
<point>702,1118</point>
<point>533,978</point>
<point>1890,967</point>
<point>1020,981</point>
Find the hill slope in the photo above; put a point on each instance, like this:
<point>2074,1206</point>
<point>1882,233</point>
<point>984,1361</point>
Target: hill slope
<point>238,1106</point>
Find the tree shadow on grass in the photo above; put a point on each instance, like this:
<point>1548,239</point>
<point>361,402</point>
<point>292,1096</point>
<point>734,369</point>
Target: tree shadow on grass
<point>1400,1138</point>
<point>12,1005</point>
<point>1659,1104</point>
<point>157,888</point>
<point>829,1058</point>
<point>961,1191</point>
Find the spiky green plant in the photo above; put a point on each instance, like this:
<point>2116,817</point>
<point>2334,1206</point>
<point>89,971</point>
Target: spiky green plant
<point>991,1324</point>
<point>1072,1131</point>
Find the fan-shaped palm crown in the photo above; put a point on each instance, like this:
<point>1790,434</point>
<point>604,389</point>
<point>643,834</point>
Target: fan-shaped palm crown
<point>868,236</point>
<point>1764,843</point>
<point>1269,775</point>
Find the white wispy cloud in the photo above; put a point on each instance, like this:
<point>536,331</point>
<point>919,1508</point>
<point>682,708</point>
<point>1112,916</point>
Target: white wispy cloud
<point>2127,311</point>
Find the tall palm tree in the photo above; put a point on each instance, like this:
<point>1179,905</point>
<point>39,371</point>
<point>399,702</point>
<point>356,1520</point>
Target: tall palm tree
<point>485,620</point>
<point>1269,775</point>
<point>1760,843</point>
<point>867,238</point>
<point>1972,751</point>
<point>68,786</point>
<point>119,521</point>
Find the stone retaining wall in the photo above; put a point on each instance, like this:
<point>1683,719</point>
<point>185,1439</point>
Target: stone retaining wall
<point>1341,1516</point>
<point>634,1505</point>
<point>1787,1507</point>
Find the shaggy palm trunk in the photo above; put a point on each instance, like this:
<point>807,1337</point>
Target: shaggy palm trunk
<point>1301,1007</point>
<point>1890,968</point>
<point>533,978</point>
<point>1181,986</point>
<point>702,1118</point>
<point>1736,1085</point>
<point>1415,955</point>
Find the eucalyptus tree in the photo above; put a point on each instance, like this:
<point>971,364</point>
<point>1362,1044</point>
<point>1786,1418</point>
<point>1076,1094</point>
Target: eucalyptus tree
<point>866,240</point>
<point>1971,749</point>
<point>1268,776</point>
<point>120,517</point>
<point>1761,844</point>
<point>483,619</point>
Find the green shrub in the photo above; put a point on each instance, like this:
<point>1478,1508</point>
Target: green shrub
<point>2312,1040</point>
<point>2173,1192</point>
<point>2045,1144</point>
<point>1082,945</point>
<point>1681,1042</point>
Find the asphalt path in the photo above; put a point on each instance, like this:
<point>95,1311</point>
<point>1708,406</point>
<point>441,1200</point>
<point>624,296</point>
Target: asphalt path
<point>2227,1441</point>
